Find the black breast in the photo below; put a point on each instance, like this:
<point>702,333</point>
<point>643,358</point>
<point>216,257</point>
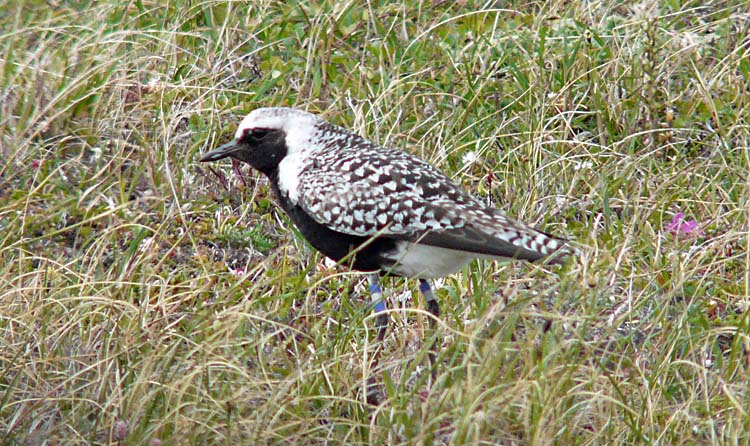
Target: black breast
<point>333,244</point>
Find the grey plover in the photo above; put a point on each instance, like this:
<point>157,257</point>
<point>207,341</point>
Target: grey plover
<point>377,209</point>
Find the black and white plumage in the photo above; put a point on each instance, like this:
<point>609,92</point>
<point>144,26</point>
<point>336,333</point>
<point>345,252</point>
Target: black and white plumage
<point>382,210</point>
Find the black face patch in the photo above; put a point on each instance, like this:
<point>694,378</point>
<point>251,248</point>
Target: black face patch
<point>256,135</point>
<point>262,148</point>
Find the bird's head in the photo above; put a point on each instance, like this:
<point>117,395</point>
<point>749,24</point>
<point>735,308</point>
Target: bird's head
<point>266,136</point>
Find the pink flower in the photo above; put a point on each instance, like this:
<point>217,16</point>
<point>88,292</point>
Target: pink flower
<point>684,228</point>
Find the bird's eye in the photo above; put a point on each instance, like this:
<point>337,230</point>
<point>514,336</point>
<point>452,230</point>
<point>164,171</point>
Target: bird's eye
<point>259,133</point>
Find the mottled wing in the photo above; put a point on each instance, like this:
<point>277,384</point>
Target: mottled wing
<point>367,190</point>
<point>490,232</point>
<point>373,190</point>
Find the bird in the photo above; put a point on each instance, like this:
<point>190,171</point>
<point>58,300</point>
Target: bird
<point>381,211</point>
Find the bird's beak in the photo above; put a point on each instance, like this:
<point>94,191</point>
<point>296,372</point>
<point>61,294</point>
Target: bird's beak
<point>221,152</point>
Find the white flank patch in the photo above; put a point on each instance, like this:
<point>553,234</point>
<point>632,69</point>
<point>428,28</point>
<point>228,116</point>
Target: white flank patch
<point>289,171</point>
<point>427,262</point>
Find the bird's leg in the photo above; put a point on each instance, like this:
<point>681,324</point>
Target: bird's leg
<point>381,321</point>
<point>434,308</point>
<point>376,294</point>
<point>432,303</point>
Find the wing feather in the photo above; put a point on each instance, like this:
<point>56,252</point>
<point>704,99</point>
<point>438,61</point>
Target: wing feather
<point>376,191</point>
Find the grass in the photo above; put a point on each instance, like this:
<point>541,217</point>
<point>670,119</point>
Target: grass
<point>147,299</point>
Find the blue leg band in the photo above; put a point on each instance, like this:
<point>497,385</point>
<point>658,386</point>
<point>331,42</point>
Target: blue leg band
<point>424,286</point>
<point>379,306</point>
<point>376,294</point>
<point>375,288</point>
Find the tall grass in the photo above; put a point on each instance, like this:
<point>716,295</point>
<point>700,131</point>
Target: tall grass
<point>147,299</point>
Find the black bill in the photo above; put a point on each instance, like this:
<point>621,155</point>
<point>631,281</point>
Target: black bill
<point>221,152</point>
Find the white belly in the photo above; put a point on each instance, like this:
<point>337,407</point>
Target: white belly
<point>427,262</point>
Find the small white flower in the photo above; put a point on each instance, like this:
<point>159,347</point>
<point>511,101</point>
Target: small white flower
<point>403,297</point>
<point>470,158</point>
<point>146,244</point>
<point>96,153</point>
<point>328,263</point>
